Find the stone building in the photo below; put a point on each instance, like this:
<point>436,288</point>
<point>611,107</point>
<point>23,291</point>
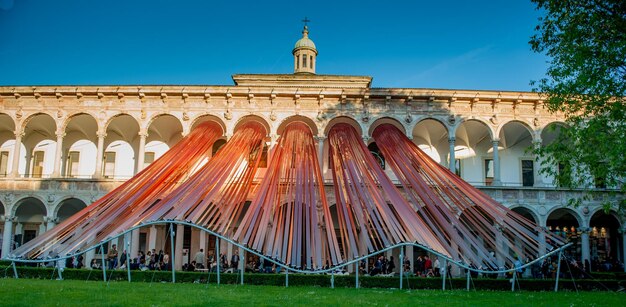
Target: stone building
<point>63,147</point>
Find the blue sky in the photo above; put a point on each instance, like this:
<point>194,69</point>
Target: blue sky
<point>420,44</point>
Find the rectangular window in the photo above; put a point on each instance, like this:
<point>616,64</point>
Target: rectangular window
<point>72,164</point>
<point>4,163</point>
<point>304,60</point>
<point>457,167</point>
<point>29,235</point>
<point>109,164</point>
<point>311,60</point>
<point>148,158</point>
<point>297,62</point>
<point>528,173</point>
<point>488,171</point>
<point>38,164</point>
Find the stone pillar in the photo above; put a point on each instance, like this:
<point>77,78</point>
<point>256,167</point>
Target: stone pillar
<point>99,155</point>
<point>496,164</point>
<point>320,152</point>
<point>178,246</point>
<point>202,241</point>
<point>7,235</point>
<point>537,165</point>
<point>91,254</point>
<point>58,156</point>
<point>584,240</point>
<point>16,154</point>
<point>152,235</point>
<point>134,245</point>
<point>452,163</point>
<point>142,151</point>
<point>499,246</point>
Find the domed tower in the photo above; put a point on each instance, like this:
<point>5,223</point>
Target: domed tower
<point>304,54</point>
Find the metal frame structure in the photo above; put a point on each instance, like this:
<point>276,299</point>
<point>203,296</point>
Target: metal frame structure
<point>287,268</point>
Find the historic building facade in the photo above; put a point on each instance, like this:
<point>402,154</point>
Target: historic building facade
<point>63,147</point>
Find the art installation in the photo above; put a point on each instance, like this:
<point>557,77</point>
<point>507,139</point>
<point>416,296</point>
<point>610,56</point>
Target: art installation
<point>286,216</point>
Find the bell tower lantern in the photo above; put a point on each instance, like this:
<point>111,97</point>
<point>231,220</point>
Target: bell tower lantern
<point>304,53</point>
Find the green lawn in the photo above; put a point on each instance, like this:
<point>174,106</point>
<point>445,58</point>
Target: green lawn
<point>31,292</point>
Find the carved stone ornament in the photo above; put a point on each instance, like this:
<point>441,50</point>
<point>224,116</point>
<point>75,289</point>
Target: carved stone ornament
<point>185,116</point>
<point>143,114</point>
<point>228,115</point>
<point>536,122</point>
<point>51,198</point>
<point>494,119</point>
<point>451,120</point>
<point>272,116</point>
<point>408,119</point>
<point>59,113</point>
<point>19,113</point>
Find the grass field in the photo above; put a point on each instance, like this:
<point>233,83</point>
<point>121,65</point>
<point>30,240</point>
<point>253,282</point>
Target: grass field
<point>30,292</point>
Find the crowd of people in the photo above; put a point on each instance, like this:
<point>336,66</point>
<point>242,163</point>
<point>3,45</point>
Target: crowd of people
<point>424,266</point>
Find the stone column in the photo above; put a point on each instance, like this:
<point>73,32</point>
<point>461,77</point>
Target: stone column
<point>452,163</point>
<point>496,164</point>
<point>16,154</point>
<point>584,240</point>
<point>320,152</point>
<point>99,155</point>
<point>88,257</point>
<point>152,238</point>
<point>58,156</point>
<point>7,235</point>
<point>142,151</point>
<point>499,246</point>
<point>178,246</point>
<point>202,241</point>
<point>134,245</point>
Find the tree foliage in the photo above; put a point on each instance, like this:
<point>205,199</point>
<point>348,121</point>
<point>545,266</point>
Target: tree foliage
<point>585,41</point>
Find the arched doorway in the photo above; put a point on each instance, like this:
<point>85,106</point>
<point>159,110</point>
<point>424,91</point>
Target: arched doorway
<point>30,214</point>
<point>605,242</point>
<point>565,223</point>
<point>69,207</point>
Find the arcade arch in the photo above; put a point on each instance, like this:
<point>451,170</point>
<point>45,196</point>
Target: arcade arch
<point>30,213</point>
<point>40,142</point>
<point>79,146</point>
<point>516,139</point>
<point>473,140</point>
<point>122,137</point>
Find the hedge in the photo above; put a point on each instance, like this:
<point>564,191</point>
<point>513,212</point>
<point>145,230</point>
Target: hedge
<point>319,280</point>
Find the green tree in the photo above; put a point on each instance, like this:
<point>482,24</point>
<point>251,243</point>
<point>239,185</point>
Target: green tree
<point>585,41</point>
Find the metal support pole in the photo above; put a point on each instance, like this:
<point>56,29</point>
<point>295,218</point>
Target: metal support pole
<point>445,273</point>
<point>104,269</point>
<point>128,254</point>
<point>558,272</point>
<point>468,280</point>
<point>14,270</point>
<point>241,264</point>
<point>356,281</point>
<point>332,280</point>
<point>401,265</point>
<point>219,258</point>
<point>287,278</point>
<point>172,252</point>
<point>513,280</point>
